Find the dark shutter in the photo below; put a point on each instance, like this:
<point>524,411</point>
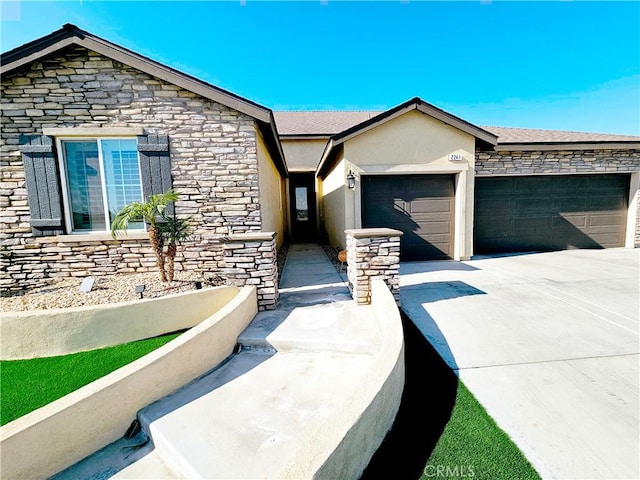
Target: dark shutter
<point>155,165</point>
<point>43,185</point>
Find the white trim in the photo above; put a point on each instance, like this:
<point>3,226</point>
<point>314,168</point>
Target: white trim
<point>417,169</point>
<point>566,146</point>
<point>64,181</point>
<point>103,182</point>
<point>554,174</point>
<point>101,236</point>
<point>459,202</point>
<point>632,210</point>
<point>97,132</point>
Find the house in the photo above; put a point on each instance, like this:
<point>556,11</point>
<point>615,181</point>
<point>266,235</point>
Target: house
<point>455,189</point>
<point>89,126</point>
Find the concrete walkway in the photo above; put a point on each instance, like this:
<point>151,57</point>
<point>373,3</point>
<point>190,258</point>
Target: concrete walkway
<point>548,343</point>
<point>251,416</point>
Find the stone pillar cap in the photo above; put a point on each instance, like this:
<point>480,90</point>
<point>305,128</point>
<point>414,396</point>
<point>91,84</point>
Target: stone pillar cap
<point>373,232</point>
<point>249,236</point>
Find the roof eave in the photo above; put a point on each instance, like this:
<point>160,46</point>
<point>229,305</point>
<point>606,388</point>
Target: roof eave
<point>270,135</point>
<point>305,136</point>
<point>424,107</point>
<point>551,146</point>
<point>71,35</point>
<point>324,158</point>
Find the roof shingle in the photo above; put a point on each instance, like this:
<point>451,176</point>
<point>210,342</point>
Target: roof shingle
<point>331,122</point>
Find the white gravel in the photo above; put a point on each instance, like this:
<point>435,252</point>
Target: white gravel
<point>65,293</point>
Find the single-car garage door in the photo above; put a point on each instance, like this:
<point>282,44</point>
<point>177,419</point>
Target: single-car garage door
<point>557,212</point>
<point>421,206</point>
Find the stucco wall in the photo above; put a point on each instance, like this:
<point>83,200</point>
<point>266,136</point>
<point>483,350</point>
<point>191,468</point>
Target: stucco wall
<point>415,143</point>
<point>634,200</point>
<point>410,139</point>
<point>50,439</point>
<point>45,333</point>
<point>344,447</point>
<point>303,154</point>
<point>212,147</point>
<point>567,162</point>
<point>333,205</point>
<point>271,188</point>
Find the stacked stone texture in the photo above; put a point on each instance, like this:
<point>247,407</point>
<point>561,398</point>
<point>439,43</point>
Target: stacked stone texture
<point>373,254</point>
<point>213,157</point>
<point>251,259</point>
<point>561,162</point>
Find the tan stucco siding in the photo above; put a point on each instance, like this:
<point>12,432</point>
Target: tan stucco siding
<point>271,199</point>
<point>333,205</point>
<point>410,139</point>
<point>303,155</point>
<point>415,143</point>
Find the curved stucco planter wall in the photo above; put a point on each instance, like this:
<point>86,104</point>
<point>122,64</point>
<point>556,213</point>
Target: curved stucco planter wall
<point>345,445</point>
<point>60,434</point>
<point>46,333</point>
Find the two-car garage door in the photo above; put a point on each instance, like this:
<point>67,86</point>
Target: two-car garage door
<point>558,212</point>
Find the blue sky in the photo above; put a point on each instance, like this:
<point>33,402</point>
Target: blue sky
<point>557,65</point>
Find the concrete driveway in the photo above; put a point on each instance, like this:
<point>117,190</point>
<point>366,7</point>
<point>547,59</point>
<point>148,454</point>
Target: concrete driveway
<point>549,345</point>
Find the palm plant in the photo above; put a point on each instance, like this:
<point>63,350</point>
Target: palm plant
<point>150,211</point>
<point>174,230</point>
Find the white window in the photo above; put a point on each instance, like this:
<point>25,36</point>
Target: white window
<point>100,176</point>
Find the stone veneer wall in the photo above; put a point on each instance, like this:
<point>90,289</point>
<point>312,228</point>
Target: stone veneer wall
<point>251,259</point>
<point>213,153</point>
<point>371,253</point>
<point>561,162</point>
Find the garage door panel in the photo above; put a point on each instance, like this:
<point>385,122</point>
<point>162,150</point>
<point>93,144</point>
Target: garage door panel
<point>434,205</point>
<point>434,228</point>
<point>421,206</point>
<point>528,204</point>
<point>427,219</point>
<point>613,183</point>
<point>606,239</point>
<point>530,225</point>
<point>603,220</point>
<point>580,211</point>
<point>499,227</point>
<point>496,206</point>
<point>607,201</point>
<point>495,187</point>
<point>571,204</point>
<point>576,220</point>
<point>539,185</point>
<point>574,183</point>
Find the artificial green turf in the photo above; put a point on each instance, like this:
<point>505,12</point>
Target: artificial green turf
<point>26,385</point>
<point>473,446</point>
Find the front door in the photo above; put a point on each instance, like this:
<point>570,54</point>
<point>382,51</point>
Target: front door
<point>303,207</point>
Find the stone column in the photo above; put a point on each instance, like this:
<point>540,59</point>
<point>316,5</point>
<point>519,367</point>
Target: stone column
<point>251,259</point>
<point>373,252</point>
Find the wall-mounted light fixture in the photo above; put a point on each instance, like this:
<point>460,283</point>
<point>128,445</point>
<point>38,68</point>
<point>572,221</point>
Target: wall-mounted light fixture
<point>351,180</point>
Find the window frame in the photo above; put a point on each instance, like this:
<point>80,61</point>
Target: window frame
<point>64,179</point>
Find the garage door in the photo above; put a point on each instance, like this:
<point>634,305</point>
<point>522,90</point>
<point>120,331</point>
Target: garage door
<point>421,206</point>
<point>539,213</point>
